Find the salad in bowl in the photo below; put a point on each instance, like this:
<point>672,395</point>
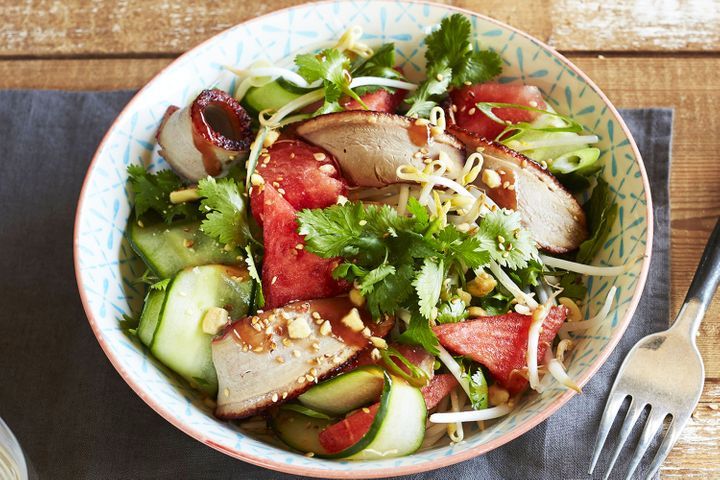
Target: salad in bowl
<point>357,262</point>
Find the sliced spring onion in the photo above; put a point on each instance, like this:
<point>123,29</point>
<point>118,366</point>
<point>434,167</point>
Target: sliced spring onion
<point>564,141</point>
<point>595,321</point>
<point>583,269</point>
<point>557,370</point>
<point>472,415</point>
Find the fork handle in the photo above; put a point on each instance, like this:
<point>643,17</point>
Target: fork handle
<point>703,286</point>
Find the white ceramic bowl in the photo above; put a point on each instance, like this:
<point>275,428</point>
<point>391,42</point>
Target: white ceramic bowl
<point>106,267</point>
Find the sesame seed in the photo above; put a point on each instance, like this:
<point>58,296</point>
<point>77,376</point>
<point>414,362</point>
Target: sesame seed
<point>309,377</point>
<point>292,154</point>
<point>284,395</point>
<point>439,77</point>
<point>544,165</point>
<point>328,169</point>
<point>280,359</point>
<point>500,239</point>
<point>296,353</point>
<point>319,156</point>
<point>274,279</point>
<point>362,223</point>
<point>301,379</point>
<point>366,410</point>
<point>226,392</point>
<point>276,184</point>
<point>472,111</point>
<point>313,372</point>
<point>258,349</point>
<point>524,163</point>
<point>299,246</point>
<point>506,184</point>
<point>310,454</point>
<point>281,191</point>
<point>467,83</point>
<point>316,346</point>
<point>315,315</point>
<point>274,397</point>
<point>286,342</point>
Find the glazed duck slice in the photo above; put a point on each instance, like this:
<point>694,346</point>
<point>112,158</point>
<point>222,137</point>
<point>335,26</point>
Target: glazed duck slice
<point>553,216</point>
<point>370,146</point>
<point>206,137</point>
<point>275,356</point>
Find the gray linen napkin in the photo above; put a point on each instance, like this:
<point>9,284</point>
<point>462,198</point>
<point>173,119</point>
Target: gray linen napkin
<point>73,414</point>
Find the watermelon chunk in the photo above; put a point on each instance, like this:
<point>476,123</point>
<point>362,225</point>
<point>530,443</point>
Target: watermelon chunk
<point>306,181</point>
<point>347,432</point>
<point>439,387</point>
<point>378,101</point>
<point>289,273</point>
<point>468,116</point>
<point>500,342</point>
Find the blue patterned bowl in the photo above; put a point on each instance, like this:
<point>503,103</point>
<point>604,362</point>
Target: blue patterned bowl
<point>106,267</point>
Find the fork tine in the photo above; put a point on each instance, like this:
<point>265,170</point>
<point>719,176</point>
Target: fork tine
<point>634,411</point>
<point>654,422</point>
<point>611,409</point>
<point>674,431</point>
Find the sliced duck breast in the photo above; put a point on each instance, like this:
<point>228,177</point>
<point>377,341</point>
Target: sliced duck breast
<point>275,356</point>
<point>370,146</point>
<point>554,217</point>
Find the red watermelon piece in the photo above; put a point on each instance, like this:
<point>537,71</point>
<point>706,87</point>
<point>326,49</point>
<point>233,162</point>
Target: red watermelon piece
<point>439,387</point>
<point>289,273</point>
<point>500,342</point>
<point>347,432</point>
<point>468,116</point>
<point>378,101</point>
<point>306,181</point>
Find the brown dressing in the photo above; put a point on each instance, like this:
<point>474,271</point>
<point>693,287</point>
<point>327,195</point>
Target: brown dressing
<point>419,134</point>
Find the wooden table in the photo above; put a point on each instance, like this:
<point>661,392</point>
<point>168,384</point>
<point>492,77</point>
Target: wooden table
<point>642,53</point>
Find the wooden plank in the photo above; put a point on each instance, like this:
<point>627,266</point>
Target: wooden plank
<point>690,85</point>
<point>168,27</point>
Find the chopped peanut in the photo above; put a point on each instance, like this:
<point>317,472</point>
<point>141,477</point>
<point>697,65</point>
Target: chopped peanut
<point>353,321</point>
<point>214,320</point>
<point>298,328</point>
<point>481,285</point>
<point>491,178</point>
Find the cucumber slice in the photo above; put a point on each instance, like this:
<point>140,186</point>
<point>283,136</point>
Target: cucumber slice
<point>270,96</point>
<point>299,431</point>
<point>179,341</point>
<point>345,392</point>
<point>150,315</point>
<point>167,249</point>
<point>399,425</point>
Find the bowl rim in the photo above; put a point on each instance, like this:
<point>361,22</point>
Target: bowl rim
<point>391,471</point>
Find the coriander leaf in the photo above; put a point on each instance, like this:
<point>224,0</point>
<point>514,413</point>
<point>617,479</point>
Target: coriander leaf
<point>152,193</point>
<point>572,286</point>
<point>226,218</point>
<point>428,284</point>
<point>528,276</point>
<point>452,311</point>
<point>601,212</point>
<point>462,248</point>
<point>385,220</point>
<point>478,389</point>
<point>420,213</point>
<point>332,67</point>
<point>392,292</point>
<point>501,234</point>
<point>349,272</point>
<point>420,333</point>
<point>374,276</point>
<point>331,232</point>
<point>451,62</point>
<point>477,67</point>
<point>498,303</point>
<point>161,285</point>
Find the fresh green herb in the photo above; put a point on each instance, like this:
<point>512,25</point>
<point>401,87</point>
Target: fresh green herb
<point>302,409</point>
<point>161,285</point>
<point>152,193</point>
<point>451,62</point>
<point>332,67</point>
<point>572,286</point>
<point>497,303</point>
<point>452,311</point>
<point>258,296</point>
<point>528,276</point>
<point>414,375</point>
<point>380,64</point>
<point>601,212</point>
<point>419,332</point>
<point>477,384</point>
<point>129,324</point>
<point>388,254</point>
<point>502,236</point>
<point>225,210</point>
<point>148,277</point>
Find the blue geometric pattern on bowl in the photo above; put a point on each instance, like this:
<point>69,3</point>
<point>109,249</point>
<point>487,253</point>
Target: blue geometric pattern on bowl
<point>108,268</point>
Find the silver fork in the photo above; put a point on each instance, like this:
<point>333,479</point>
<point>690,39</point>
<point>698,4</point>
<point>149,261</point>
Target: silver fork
<point>663,371</point>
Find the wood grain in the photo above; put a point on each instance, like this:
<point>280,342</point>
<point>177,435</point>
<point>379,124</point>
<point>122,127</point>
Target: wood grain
<point>51,28</point>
